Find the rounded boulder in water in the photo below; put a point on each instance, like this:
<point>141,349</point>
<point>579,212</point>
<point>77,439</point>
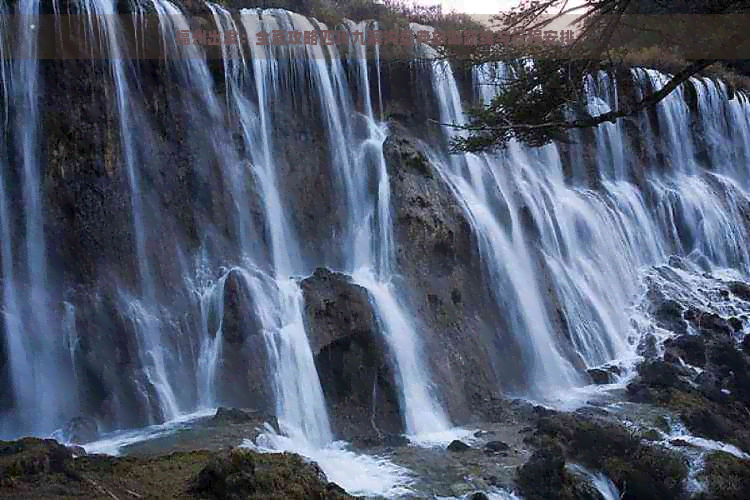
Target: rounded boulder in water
<point>458,446</point>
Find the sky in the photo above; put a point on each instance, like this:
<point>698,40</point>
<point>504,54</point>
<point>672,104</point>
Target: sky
<point>480,6</point>
<point>473,6</point>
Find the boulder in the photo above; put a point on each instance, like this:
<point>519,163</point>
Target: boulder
<point>544,476</point>
<point>478,496</point>
<point>601,376</point>
<point>496,447</point>
<point>243,378</point>
<point>458,446</point>
<point>237,416</point>
<point>80,430</point>
<point>352,358</point>
<point>244,474</point>
<point>639,470</point>
<point>31,457</point>
<point>689,348</point>
<point>740,289</point>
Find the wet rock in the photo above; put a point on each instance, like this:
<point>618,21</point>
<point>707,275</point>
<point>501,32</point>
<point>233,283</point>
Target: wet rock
<point>689,348</point>
<point>647,347</point>
<point>666,312</point>
<point>708,323</point>
<point>32,456</point>
<point>680,442</point>
<point>735,323</point>
<point>678,262</point>
<point>232,416</point>
<point>659,373</point>
<point>237,416</point>
<point>746,344</point>
<point>496,446</point>
<point>640,471</point>
<point>601,376</point>
<point>651,435</point>
<point>243,474</point>
<point>80,430</point>
<point>395,440</point>
<point>740,290</point>
<point>77,451</point>
<point>351,357</point>
<point>544,476</point>
<point>240,319</point>
<point>442,281</point>
<point>479,496</point>
<point>458,446</point>
<point>243,376</point>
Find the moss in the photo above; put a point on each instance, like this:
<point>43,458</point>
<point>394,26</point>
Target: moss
<point>642,471</point>
<point>418,162</point>
<point>726,476</point>
<point>34,468</point>
<point>680,401</point>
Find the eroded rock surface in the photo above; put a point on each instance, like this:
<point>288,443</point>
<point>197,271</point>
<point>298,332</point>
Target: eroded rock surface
<point>351,356</point>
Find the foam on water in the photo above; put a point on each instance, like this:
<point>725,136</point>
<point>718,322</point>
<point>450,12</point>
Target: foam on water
<point>494,494</point>
<point>357,473</point>
<point>112,444</point>
<point>442,438</point>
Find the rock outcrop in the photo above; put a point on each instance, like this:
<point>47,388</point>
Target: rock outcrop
<point>243,376</point>
<point>638,469</point>
<point>354,365</point>
<point>43,469</point>
<point>702,375</point>
<point>471,351</point>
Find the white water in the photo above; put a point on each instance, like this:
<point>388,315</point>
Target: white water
<point>422,412</point>
<point>478,184</point>
<point>146,315</point>
<point>358,474</point>
<point>594,242</point>
<point>37,383</point>
<point>600,481</point>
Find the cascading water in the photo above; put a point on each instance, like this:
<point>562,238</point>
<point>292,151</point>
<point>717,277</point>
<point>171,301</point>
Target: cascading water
<point>35,364</point>
<point>595,242</point>
<point>479,184</point>
<point>145,316</point>
<point>11,321</point>
<point>564,258</point>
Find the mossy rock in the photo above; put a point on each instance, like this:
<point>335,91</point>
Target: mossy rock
<point>32,456</point>
<point>725,476</point>
<point>42,469</point>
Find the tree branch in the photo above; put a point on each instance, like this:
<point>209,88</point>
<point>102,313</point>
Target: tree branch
<point>612,116</point>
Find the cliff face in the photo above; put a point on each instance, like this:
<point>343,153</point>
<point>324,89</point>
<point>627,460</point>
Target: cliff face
<point>265,163</point>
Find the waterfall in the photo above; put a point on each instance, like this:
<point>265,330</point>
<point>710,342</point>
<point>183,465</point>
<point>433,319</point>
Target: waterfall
<point>478,185</point>
<point>31,336</point>
<point>372,256</point>
<point>602,98</point>
<point>563,257</point>
<point>11,320</point>
<point>594,242</point>
<point>599,481</point>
